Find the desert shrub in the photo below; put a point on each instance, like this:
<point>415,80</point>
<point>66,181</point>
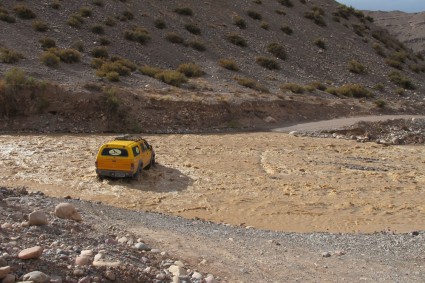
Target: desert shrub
<point>78,45</point>
<point>354,90</point>
<point>47,42</point>
<point>16,78</point>
<point>96,63</point>
<point>356,67</point>
<point>287,29</point>
<point>400,91</point>
<point>258,2</point>
<point>113,76</point>
<point>389,41</point>
<point>229,64</point>
<point>5,17</point>
<point>303,1</point>
<point>50,59</point>
<point>97,29</point>
<point>138,34</point>
<point>320,43</point>
<point>318,86</point>
<point>254,15</point>
<point>99,52</point>
<point>239,22</point>
<point>98,3</point>
<point>111,100</point>
<point>250,83</point>
<point>39,25</point>
<point>192,28</point>
<point>150,71</point>
<point>75,21</point>
<point>277,50</point>
<point>124,62</point>
<point>332,90</point>
<point>420,56</point>
<point>394,63</point>
<point>236,40</point>
<point>380,103</point>
<point>280,12</point>
<point>103,40</point>
<point>398,79</point>
<point>265,25</point>
<point>400,56</point>
<point>160,24</point>
<point>190,70</point>
<point>197,45</point>
<point>379,50</point>
<point>295,88</point>
<point>24,12</point>
<point>344,11</point>
<point>67,55</point>
<point>171,77</point>
<point>184,11</point>
<point>316,15</point>
<point>287,3</point>
<point>127,16</point>
<point>55,5</point>
<point>379,87</point>
<point>110,22</point>
<point>174,37</point>
<point>359,29</point>
<point>417,68</point>
<point>267,63</point>
<point>112,67</point>
<point>9,56</point>
<point>85,12</point>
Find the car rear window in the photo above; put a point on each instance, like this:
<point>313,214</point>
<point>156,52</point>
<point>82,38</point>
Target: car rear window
<point>111,151</point>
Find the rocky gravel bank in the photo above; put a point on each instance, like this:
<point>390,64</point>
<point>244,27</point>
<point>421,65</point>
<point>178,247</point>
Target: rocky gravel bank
<point>117,245</point>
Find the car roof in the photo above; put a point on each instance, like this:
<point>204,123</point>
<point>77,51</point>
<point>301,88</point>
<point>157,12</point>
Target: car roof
<point>120,143</point>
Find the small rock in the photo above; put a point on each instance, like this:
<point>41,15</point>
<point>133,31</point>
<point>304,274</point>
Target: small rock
<point>56,279</point>
<point>37,218</point>
<point>339,253</point>
<point>86,279</point>
<point>142,247</point>
<point>122,240</point>
<point>9,279</point>
<point>4,271</point>
<point>177,270</point>
<point>210,279</point>
<point>82,260</point>
<point>326,254</point>
<point>67,211</point>
<point>197,275</point>
<point>37,277</point>
<point>86,253</point>
<point>34,252</point>
<point>110,275</point>
<point>106,263</point>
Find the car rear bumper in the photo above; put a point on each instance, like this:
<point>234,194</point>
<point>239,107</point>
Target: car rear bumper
<point>114,173</point>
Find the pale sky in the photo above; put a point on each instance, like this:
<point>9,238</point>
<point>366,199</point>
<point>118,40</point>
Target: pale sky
<point>386,5</point>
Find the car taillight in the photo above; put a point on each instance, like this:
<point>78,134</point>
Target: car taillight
<point>132,166</point>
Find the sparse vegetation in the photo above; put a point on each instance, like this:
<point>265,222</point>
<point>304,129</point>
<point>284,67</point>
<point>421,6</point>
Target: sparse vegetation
<point>55,5</point>
<point>379,50</point>
<point>280,12</point>
<point>39,25</point>
<point>319,42</point>
<point>277,50</point>
<point>197,45</point>
<point>229,64</point>
<point>97,29</point>
<point>239,22</point>
<point>137,34</point>
<point>190,70</point>
<point>316,15</point>
<point>98,3</point>
<point>250,83</point>
<point>23,12</point>
<point>9,56</point>
<point>75,21</point>
<point>192,28</point>
<point>417,68</point>
<point>47,42</point>
<point>150,71</point>
<point>5,17</point>
<point>265,25</point>
<point>78,45</point>
<point>126,16</point>
<point>184,11</point>
<point>380,103</point>
<point>50,59</point>
<point>398,79</point>
<point>287,29</point>
<point>294,88</point>
<point>99,52</point>
<point>318,85</point>
<point>379,87</point>
<point>353,90</point>
<point>394,63</point>
<point>359,29</point>
<point>236,40</point>
<point>356,67</point>
<point>110,22</point>
<point>68,55</point>
<point>171,77</point>
<point>287,3</point>
<point>113,76</point>
<point>103,40</point>
<point>254,15</point>
<point>85,12</point>
<point>174,37</point>
<point>160,24</point>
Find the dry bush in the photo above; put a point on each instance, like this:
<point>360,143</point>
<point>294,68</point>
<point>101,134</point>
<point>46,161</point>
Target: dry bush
<point>287,29</point>
<point>174,37</point>
<point>379,50</point>
<point>39,25</point>
<point>229,64</point>
<point>110,22</point>
<point>292,87</point>
<point>197,45</point>
<point>99,52</point>
<point>5,17</point>
<point>254,15</point>
<point>320,43</point>
<point>239,22</point>
<point>23,12</point>
<point>47,42</point>
<point>184,11</point>
<point>171,77</point>
<point>250,83</point>
<point>85,12</point>
<point>113,77</point>
<point>9,56</point>
<point>126,16</point>
<point>98,3</point>
<point>356,67</point>
<point>318,85</point>
<point>394,63</point>
<point>192,28</point>
<point>138,34</point>
<point>75,21</point>
<point>190,70</point>
<point>55,5</point>
<point>103,40</point>
<point>354,90</point>
<point>50,59</point>
<point>150,71</point>
<point>277,50</point>
<point>287,3</point>
<point>160,24</point>
<point>265,25</point>
<point>267,63</point>
<point>398,79</point>
<point>316,15</point>
<point>68,55</point>
<point>97,29</point>
<point>236,40</point>
<point>78,45</point>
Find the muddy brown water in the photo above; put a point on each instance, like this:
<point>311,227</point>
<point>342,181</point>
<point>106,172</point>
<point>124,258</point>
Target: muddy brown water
<point>271,181</point>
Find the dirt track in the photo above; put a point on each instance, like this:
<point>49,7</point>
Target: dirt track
<point>266,180</point>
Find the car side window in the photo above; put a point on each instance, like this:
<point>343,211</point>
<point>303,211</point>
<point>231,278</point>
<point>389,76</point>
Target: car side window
<point>144,148</point>
<point>136,150</point>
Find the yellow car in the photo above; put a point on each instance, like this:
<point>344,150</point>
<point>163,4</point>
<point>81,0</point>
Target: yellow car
<point>126,156</point>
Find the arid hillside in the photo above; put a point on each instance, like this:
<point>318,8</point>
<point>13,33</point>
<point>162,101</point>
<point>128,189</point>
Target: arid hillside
<point>409,28</point>
<point>186,63</point>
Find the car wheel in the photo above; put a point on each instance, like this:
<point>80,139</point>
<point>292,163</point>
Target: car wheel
<point>138,171</point>
<point>151,163</point>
